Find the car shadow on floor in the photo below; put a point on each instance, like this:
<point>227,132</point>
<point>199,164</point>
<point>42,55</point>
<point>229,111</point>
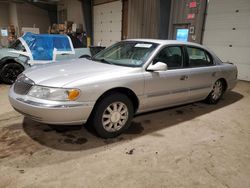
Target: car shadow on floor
<point>77,138</point>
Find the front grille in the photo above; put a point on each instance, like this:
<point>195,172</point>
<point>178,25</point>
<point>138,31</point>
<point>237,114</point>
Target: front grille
<point>23,85</point>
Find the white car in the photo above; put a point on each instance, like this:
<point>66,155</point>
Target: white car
<point>130,77</point>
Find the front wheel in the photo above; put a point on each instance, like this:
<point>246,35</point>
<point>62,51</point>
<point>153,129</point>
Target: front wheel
<point>10,71</point>
<point>112,115</point>
<point>217,92</point>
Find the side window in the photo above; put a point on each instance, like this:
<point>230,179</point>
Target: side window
<point>172,56</point>
<point>19,46</point>
<point>198,57</point>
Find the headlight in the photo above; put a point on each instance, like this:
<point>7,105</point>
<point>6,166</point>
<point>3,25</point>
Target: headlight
<point>54,94</point>
<point>23,58</point>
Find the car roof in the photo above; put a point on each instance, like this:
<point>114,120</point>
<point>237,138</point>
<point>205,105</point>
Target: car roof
<point>166,42</point>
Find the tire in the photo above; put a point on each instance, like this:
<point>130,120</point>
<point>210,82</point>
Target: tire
<point>112,115</point>
<point>10,71</point>
<point>217,92</point>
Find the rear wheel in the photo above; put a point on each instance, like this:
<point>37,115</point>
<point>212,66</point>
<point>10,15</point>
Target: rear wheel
<point>112,115</point>
<point>216,93</point>
<point>10,71</point>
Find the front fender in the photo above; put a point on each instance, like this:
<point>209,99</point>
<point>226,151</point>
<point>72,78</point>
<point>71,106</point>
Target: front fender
<point>93,89</point>
<point>8,59</point>
<point>4,59</point>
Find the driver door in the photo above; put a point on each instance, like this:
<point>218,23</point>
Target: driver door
<point>170,87</point>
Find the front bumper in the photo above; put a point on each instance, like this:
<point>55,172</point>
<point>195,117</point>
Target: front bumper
<point>51,112</point>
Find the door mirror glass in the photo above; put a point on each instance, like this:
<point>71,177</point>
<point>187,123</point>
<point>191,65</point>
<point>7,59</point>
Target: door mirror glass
<point>158,66</point>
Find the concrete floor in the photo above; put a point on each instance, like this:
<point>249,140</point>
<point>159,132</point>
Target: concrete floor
<point>195,145</point>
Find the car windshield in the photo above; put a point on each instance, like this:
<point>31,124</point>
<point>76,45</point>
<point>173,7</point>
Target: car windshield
<point>126,53</point>
<point>17,45</point>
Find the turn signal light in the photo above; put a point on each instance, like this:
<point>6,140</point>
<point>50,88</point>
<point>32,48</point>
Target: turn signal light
<point>73,94</point>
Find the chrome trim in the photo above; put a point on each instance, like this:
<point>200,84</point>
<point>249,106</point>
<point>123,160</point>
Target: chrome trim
<point>176,91</point>
<point>52,105</point>
<point>166,93</point>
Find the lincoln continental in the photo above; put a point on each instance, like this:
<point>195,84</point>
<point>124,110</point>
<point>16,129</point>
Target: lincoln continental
<point>127,78</point>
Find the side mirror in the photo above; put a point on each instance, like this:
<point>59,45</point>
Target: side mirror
<point>158,66</point>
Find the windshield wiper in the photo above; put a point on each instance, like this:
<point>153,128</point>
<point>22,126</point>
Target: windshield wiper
<point>86,56</point>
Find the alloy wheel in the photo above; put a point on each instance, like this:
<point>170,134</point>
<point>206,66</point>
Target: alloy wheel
<point>217,90</point>
<point>115,116</point>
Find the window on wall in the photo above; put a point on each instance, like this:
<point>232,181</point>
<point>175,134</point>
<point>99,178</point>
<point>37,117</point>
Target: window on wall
<point>4,32</point>
<point>172,56</point>
<point>198,57</point>
<point>182,34</point>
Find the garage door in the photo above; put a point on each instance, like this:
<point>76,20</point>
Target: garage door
<point>107,23</point>
<point>227,32</point>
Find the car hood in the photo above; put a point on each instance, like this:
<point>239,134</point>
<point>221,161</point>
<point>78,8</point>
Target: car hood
<point>4,52</point>
<point>60,74</point>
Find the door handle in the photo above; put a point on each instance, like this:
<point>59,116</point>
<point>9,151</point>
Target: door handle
<point>184,77</point>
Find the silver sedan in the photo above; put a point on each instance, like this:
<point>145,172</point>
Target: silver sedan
<point>130,77</point>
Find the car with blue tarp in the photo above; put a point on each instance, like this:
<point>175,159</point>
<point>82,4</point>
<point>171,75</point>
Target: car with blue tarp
<point>36,49</point>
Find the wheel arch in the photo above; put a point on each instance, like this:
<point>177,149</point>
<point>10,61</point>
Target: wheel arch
<point>7,60</point>
<point>5,64</point>
<point>123,90</point>
<point>225,84</point>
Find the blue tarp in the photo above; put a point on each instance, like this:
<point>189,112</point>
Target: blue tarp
<point>43,45</point>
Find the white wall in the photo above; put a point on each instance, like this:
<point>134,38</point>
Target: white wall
<point>26,15</point>
<point>107,23</point>
<point>227,33</point>
<point>74,11</point>
<point>30,16</point>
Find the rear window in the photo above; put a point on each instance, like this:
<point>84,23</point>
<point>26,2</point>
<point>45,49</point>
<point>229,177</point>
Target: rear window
<point>198,57</point>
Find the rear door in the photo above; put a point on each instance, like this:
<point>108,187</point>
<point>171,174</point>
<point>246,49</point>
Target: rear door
<point>170,87</point>
<point>203,72</point>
